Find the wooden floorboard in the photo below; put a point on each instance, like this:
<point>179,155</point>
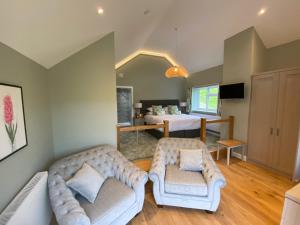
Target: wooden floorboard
<point>253,195</point>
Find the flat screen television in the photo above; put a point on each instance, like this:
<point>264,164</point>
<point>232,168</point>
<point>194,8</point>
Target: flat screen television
<point>232,91</point>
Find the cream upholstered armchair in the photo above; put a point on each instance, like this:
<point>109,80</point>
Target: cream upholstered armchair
<point>175,187</point>
<point>120,198</point>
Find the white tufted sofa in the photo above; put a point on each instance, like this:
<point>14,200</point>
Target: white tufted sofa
<point>174,187</point>
<point>120,198</point>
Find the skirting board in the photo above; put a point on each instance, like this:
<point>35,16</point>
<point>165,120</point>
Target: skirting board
<point>238,155</point>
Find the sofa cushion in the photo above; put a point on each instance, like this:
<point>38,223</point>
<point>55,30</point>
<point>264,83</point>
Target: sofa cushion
<point>191,159</point>
<point>87,182</point>
<point>113,199</point>
<point>184,182</point>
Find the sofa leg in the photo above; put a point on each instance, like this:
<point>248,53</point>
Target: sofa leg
<point>160,206</point>
<point>209,212</point>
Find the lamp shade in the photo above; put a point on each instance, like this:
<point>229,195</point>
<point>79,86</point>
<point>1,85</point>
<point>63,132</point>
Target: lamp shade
<point>182,104</point>
<point>176,71</point>
<point>138,105</point>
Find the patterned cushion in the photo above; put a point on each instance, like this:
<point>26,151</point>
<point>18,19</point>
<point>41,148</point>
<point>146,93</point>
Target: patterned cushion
<point>173,110</point>
<point>166,110</point>
<point>184,182</point>
<point>158,110</point>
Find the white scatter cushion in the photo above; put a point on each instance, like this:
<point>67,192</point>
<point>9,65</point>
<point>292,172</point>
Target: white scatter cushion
<point>150,109</point>
<point>166,110</point>
<point>191,159</point>
<point>87,182</point>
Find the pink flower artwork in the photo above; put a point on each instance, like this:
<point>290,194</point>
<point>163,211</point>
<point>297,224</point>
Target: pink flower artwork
<point>8,109</point>
<point>10,127</point>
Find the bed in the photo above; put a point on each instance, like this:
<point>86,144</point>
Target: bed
<point>184,125</point>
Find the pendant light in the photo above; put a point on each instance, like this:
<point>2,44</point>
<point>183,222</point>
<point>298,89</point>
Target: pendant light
<point>176,70</point>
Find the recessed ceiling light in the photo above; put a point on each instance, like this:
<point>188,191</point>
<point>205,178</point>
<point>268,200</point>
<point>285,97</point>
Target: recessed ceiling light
<point>100,11</point>
<point>146,12</point>
<point>262,11</point>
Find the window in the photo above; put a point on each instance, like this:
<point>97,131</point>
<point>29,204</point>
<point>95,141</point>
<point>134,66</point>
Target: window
<point>205,99</point>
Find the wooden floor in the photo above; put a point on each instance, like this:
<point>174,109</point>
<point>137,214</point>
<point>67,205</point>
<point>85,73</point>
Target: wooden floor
<point>253,195</point>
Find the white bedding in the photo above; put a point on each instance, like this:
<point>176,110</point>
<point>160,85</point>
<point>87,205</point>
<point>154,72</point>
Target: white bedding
<point>183,121</point>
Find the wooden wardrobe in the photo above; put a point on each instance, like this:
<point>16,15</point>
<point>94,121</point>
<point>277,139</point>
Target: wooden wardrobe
<point>274,119</point>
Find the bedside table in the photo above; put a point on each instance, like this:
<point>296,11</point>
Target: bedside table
<point>138,121</point>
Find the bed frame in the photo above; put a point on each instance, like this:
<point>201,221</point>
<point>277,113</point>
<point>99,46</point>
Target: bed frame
<point>159,134</point>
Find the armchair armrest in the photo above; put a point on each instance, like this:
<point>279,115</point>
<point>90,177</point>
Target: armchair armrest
<point>129,174</point>
<point>212,174</point>
<point>157,172</point>
<point>66,208</point>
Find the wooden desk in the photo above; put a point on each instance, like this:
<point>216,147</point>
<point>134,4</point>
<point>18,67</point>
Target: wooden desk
<point>230,144</point>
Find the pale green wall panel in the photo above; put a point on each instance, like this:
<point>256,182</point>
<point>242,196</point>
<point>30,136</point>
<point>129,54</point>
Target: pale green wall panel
<point>147,76</point>
<point>283,56</point>
<point>243,56</point>
<point>83,98</point>
<point>17,169</point>
<point>210,76</point>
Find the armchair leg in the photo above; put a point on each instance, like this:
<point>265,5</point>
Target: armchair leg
<point>209,212</point>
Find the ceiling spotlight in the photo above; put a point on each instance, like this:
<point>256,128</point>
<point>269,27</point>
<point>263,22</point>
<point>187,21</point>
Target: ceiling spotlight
<point>100,11</point>
<point>146,12</point>
<point>262,11</point>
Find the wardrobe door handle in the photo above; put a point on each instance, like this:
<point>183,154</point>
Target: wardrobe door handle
<point>277,132</point>
<point>271,130</point>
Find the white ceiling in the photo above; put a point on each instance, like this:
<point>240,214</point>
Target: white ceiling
<point>48,31</point>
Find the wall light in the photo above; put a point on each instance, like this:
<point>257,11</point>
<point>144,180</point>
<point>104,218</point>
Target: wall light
<point>145,52</point>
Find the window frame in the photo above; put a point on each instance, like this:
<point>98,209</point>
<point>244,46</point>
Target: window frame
<point>207,97</point>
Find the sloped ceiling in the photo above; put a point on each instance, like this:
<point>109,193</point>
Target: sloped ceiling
<point>50,31</point>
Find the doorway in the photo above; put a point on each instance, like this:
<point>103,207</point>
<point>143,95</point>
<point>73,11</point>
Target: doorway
<point>124,105</point>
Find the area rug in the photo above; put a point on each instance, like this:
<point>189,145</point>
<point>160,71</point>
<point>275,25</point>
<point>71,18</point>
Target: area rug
<point>142,146</point>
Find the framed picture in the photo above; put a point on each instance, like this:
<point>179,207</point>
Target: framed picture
<point>13,135</point>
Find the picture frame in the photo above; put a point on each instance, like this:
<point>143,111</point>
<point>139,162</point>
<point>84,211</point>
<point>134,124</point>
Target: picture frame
<point>13,134</point>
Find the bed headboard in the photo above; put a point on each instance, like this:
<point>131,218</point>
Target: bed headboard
<point>163,103</point>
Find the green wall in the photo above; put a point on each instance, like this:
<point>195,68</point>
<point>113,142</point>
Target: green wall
<point>147,76</point>
<point>17,169</point>
<point>283,56</point>
<point>83,98</point>
<point>244,55</point>
<point>210,76</point>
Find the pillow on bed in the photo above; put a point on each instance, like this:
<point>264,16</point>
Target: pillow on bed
<point>150,109</point>
<point>166,110</point>
<point>173,110</point>
<point>158,110</point>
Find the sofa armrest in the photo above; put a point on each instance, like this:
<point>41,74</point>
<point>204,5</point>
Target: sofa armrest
<point>66,208</point>
<point>157,171</point>
<point>126,172</point>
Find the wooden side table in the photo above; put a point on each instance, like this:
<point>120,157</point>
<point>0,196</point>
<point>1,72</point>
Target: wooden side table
<point>138,121</point>
<point>230,144</point>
